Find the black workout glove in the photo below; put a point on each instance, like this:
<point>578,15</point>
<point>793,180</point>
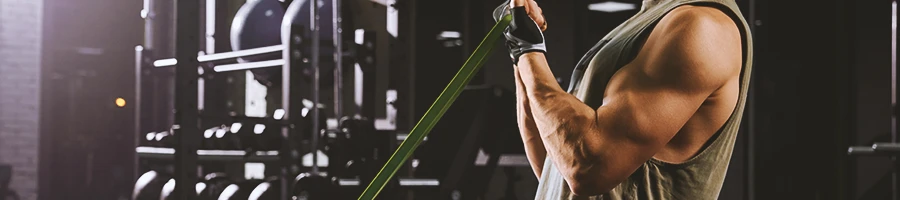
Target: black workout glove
<point>523,34</point>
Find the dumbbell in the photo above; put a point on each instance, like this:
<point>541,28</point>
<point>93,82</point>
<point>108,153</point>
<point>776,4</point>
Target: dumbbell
<point>240,190</point>
<point>209,140</point>
<point>315,187</point>
<point>149,186</point>
<point>166,139</point>
<point>160,139</point>
<point>231,140</point>
<point>220,138</point>
<point>150,140</point>
<point>258,24</point>
<point>214,183</point>
<point>168,190</point>
<point>254,137</point>
<point>361,134</point>
<point>270,189</point>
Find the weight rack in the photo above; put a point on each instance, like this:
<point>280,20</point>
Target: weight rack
<point>190,84</point>
<point>189,91</point>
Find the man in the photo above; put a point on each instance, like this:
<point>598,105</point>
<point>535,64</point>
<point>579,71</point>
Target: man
<point>652,111</point>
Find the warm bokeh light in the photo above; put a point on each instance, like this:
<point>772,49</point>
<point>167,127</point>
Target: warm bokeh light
<point>120,102</point>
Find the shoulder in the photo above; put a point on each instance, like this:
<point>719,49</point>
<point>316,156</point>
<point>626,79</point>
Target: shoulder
<point>691,41</point>
<point>698,25</point>
<point>698,19</point>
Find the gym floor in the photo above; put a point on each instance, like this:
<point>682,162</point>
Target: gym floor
<point>86,102</point>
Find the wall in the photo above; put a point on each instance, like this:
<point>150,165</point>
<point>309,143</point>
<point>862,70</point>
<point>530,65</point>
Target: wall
<point>87,61</point>
<point>20,52</point>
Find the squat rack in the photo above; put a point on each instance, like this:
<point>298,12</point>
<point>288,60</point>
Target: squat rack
<point>188,89</point>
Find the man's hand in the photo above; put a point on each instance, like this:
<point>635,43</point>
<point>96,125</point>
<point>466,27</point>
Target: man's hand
<point>525,32</point>
<point>534,11</point>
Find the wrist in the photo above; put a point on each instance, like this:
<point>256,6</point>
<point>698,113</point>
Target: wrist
<point>528,55</point>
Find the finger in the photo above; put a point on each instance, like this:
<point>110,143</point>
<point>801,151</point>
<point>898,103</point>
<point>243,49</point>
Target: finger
<point>517,3</point>
<point>528,8</point>
<point>535,8</point>
<point>538,15</point>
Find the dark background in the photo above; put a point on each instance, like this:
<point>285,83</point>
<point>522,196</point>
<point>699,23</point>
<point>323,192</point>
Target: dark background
<point>822,76</point>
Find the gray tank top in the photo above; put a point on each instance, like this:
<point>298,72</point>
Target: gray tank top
<point>698,178</point>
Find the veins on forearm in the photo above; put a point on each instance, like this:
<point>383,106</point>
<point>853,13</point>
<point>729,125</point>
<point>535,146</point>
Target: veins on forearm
<point>564,122</point>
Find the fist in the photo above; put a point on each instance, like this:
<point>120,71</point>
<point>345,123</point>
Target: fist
<point>534,11</point>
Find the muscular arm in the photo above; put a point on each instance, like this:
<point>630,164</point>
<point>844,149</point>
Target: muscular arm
<point>691,53</point>
<point>534,147</point>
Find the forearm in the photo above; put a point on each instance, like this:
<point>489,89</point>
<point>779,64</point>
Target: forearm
<point>563,121</point>
<point>531,138</point>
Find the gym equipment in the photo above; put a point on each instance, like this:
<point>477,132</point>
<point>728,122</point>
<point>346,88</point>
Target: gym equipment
<point>437,109</point>
<point>362,169</point>
<point>149,185</point>
<point>270,189</point>
<point>361,134</point>
<point>365,148</point>
<point>257,24</point>
<point>149,140</point>
<point>221,138</point>
<point>335,147</point>
<point>297,16</point>
<point>260,137</point>
<point>314,187</point>
<point>215,184</point>
<point>230,140</point>
<point>166,139</point>
<point>168,190</point>
<point>240,190</point>
<point>212,138</point>
<point>298,13</point>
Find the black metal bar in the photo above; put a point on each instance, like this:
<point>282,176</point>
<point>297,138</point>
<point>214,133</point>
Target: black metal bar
<point>337,37</point>
<point>149,14</point>
<point>314,62</point>
<point>223,57</point>
<point>186,113</point>
<point>138,68</point>
<point>896,96</point>
<point>209,27</point>
<point>286,95</point>
<point>886,147</point>
<point>407,182</point>
<point>369,76</point>
<point>249,65</point>
<point>861,150</point>
<point>291,99</point>
<point>210,155</point>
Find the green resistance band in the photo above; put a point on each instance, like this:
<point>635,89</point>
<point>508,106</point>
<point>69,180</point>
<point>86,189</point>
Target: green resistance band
<point>437,110</point>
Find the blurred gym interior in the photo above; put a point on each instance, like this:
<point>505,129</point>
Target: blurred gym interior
<point>89,90</point>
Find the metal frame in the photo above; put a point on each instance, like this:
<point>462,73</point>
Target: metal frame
<point>186,112</point>
<point>189,88</point>
<point>896,119</point>
<point>891,149</point>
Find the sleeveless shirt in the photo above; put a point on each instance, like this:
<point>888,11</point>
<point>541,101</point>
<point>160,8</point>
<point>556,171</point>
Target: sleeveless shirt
<point>698,178</point>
